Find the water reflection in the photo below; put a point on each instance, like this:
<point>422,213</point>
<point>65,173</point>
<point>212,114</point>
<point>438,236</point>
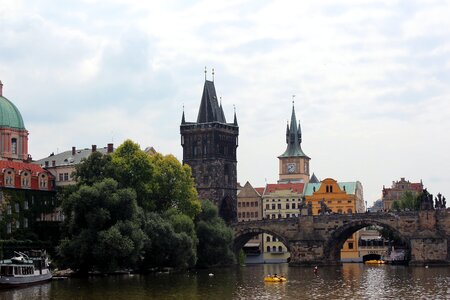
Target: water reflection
<point>351,281</point>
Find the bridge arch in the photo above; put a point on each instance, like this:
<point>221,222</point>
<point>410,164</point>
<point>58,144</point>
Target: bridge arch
<point>333,245</point>
<point>246,234</point>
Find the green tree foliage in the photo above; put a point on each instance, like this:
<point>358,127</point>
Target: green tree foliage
<point>408,201</point>
<point>165,247</point>
<point>173,186</point>
<point>135,170</point>
<point>215,238</point>
<point>102,228</point>
<point>94,169</point>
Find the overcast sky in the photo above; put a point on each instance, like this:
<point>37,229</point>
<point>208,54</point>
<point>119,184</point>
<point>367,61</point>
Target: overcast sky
<point>371,80</point>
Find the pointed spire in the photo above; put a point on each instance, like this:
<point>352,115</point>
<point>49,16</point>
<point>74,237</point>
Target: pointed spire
<point>183,121</point>
<point>235,122</point>
<point>213,74</point>
<point>293,137</point>
<point>210,110</point>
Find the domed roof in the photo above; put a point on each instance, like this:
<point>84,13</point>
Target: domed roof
<point>10,116</point>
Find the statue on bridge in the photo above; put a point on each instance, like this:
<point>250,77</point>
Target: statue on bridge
<point>324,210</point>
<point>439,202</point>
<point>426,200</point>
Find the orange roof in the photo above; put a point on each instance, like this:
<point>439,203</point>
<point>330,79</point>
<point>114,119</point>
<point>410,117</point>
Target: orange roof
<point>417,186</point>
<point>294,187</point>
<point>19,166</point>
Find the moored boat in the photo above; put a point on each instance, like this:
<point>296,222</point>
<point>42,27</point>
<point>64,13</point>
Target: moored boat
<point>375,262</point>
<point>23,269</point>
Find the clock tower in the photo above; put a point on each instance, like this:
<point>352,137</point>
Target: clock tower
<point>293,163</point>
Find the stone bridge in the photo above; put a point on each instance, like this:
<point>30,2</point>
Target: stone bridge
<point>317,240</point>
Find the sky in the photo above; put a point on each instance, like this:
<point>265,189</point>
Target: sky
<point>370,79</point>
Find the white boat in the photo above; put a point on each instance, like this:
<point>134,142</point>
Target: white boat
<point>24,269</point>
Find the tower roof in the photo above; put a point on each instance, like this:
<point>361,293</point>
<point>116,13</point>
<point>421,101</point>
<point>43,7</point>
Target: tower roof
<point>210,111</point>
<point>314,179</point>
<point>294,139</point>
<point>10,116</point>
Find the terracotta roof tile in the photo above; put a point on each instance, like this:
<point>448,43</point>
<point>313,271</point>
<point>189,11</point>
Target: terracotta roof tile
<point>295,187</point>
<point>19,166</point>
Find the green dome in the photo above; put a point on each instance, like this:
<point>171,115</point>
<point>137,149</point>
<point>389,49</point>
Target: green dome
<point>9,115</point>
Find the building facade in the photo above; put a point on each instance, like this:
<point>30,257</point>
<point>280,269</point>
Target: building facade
<point>62,165</point>
<point>27,191</point>
<point>209,148</point>
<point>249,208</point>
<point>281,200</point>
<point>340,198</point>
<point>397,190</point>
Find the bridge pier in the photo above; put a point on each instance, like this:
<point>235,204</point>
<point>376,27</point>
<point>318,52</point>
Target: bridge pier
<point>429,251</point>
<point>309,253</point>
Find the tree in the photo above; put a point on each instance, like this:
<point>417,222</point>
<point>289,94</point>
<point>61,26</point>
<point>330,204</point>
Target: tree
<point>215,238</point>
<point>103,232</point>
<point>173,186</point>
<point>408,201</point>
<point>165,247</point>
<point>94,169</point>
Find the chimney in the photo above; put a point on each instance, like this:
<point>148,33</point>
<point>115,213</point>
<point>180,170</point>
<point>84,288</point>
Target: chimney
<point>73,151</point>
<point>1,88</point>
<point>110,148</point>
<point>94,148</point>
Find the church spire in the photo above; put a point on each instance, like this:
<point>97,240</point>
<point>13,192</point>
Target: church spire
<point>293,138</point>
<point>210,110</point>
<point>235,123</point>
<point>183,121</point>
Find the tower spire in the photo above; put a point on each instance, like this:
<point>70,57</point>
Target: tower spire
<point>183,121</point>
<point>235,118</point>
<point>213,74</point>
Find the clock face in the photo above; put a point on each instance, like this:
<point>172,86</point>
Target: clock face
<point>291,168</point>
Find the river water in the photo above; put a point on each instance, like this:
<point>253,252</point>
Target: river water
<point>350,281</point>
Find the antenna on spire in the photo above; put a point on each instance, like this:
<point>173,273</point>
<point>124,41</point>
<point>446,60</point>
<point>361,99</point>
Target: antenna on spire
<point>213,74</point>
<point>293,96</point>
<point>220,96</point>
<point>205,73</point>
<point>234,108</point>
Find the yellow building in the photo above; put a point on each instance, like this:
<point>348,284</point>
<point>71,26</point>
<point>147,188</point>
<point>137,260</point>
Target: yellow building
<point>341,198</point>
<point>280,201</point>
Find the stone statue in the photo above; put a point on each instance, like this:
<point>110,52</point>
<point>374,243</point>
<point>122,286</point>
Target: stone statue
<point>426,200</point>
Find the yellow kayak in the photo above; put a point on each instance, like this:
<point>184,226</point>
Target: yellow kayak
<point>375,262</point>
<point>274,279</point>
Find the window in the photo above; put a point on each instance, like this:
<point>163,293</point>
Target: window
<point>339,211</point>
<point>256,203</point>
<point>273,216</point>
<point>349,211</point>
<point>288,216</point>
<point>14,146</point>
<point>268,239</point>
<point>279,216</point>
<point>267,206</point>
<point>274,239</point>
<point>327,189</point>
<point>274,248</point>
<point>17,224</point>
<point>331,188</point>
<point>314,188</point>
<point>8,228</point>
<point>280,249</point>
<point>350,245</point>
<point>287,205</point>
<point>17,207</point>
<point>279,205</point>
<point>239,204</point>
<point>239,214</point>
<point>256,214</point>
<point>273,206</point>
<point>252,203</point>
<point>252,214</point>
<point>293,205</point>
<point>8,209</point>
<point>61,177</point>
<point>268,248</point>
<point>205,179</point>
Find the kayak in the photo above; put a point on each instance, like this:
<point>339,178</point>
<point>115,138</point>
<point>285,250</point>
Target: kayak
<point>275,279</point>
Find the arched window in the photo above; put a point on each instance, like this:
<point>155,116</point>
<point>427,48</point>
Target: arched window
<point>273,216</point>
<point>274,239</point>
<point>14,146</point>
<point>268,248</point>
<point>328,189</point>
<point>314,188</point>
<point>274,249</point>
<point>43,181</point>
<point>280,249</point>
<point>9,177</point>
<point>331,188</point>
<point>279,216</point>
<point>349,211</point>
<point>268,238</point>
<point>339,211</point>
<point>25,179</point>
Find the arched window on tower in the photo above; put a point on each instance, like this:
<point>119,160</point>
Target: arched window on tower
<point>328,189</point>
<point>14,146</point>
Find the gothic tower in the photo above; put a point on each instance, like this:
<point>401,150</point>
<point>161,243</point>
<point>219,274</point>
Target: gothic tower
<point>209,148</point>
<point>293,163</point>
